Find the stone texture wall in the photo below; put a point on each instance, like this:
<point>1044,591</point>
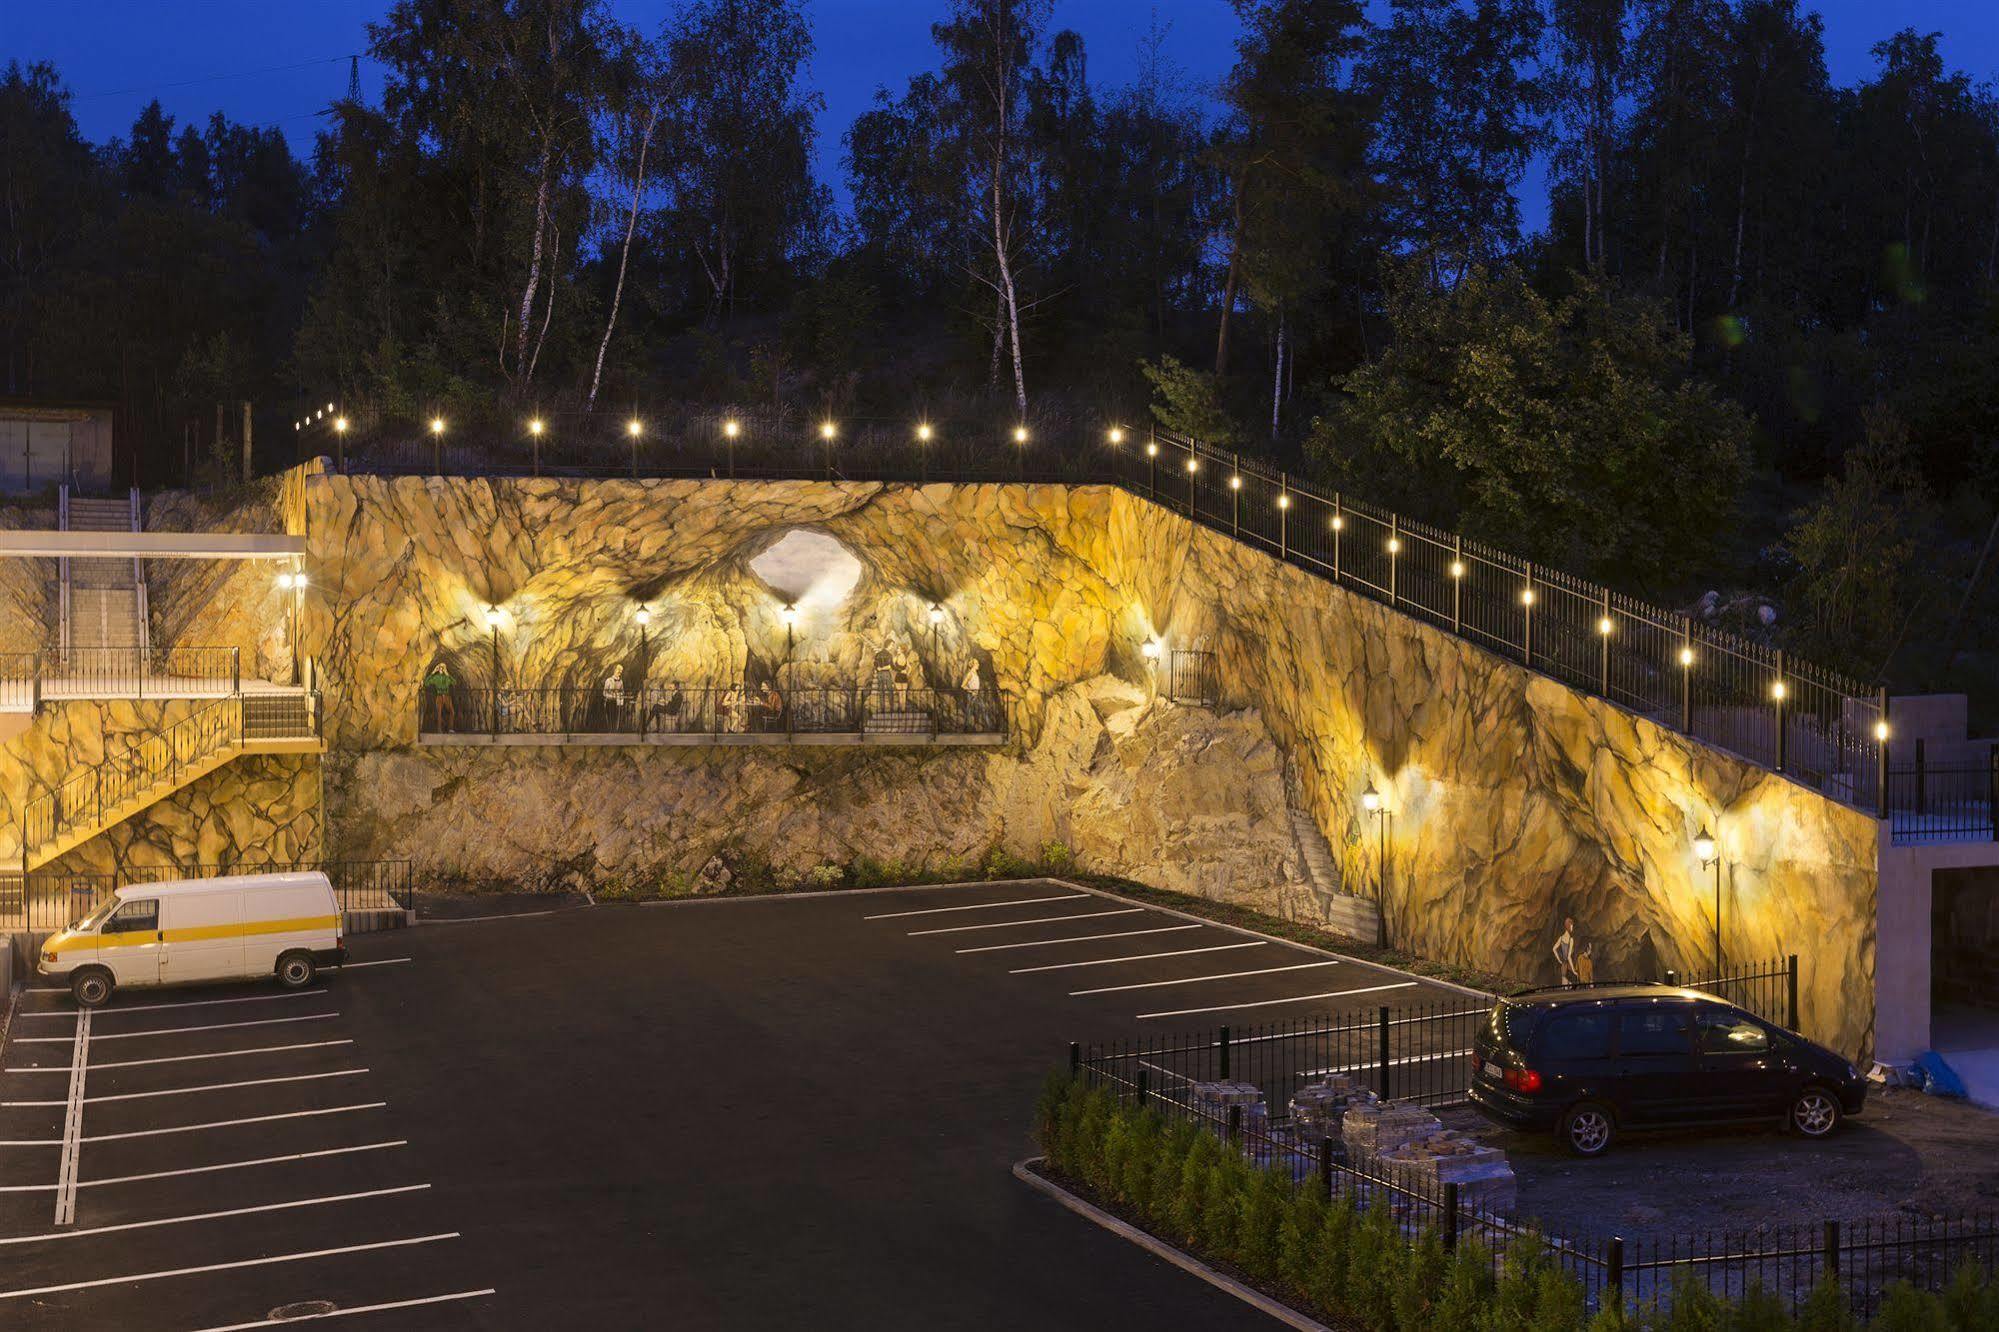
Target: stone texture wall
<point>256,808</point>
<point>1511,802</point>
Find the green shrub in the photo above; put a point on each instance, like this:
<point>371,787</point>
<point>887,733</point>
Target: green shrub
<point>1467,1289</point>
<point>1190,1190</point>
<point>1826,1310</point>
<point>1422,1278</point>
<point>1221,1199</point>
<point>1299,1238</point>
<point>1327,1280</point>
<point>1906,1309</point>
<point>1258,1221</point>
<point>1056,858</point>
<point>1374,1267</point>
<point>1971,1302</point>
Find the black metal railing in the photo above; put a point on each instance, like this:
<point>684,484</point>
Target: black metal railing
<point>158,761</point>
<point>1817,726</point>
<point>711,711</point>
<point>51,899</point>
<point>1951,802</point>
<point>27,679</point>
<point>1768,988</point>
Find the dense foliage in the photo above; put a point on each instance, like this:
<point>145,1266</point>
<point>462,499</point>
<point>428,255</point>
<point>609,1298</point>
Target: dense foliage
<point>1355,1266</point>
<point>1745,272</point>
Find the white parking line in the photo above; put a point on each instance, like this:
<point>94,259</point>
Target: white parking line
<point>1137,957</point>
<point>1078,938</point>
<point>226,1267</point>
<point>211,1216</point>
<point>122,1009</point>
<point>1036,920</point>
<point>1194,980</point>
<point>180,1031</point>
<point>1294,999</point>
<point>357,1309</point>
<point>240,1165</point>
<point>979,906</point>
<point>219,1054</point>
<point>1376,1063</point>
<point>391,961</point>
<point>205,1087</point>
<point>235,1123</point>
<point>72,1124</point>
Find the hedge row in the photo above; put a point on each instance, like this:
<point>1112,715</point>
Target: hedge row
<point>1354,1266</point>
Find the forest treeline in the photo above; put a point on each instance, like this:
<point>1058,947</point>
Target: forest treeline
<point>1756,345</point>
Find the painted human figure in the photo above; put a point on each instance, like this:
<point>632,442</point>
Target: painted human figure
<point>1586,965</point>
<point>444,713</point>
<point>731,708</point>
<point>614,694</point>
<point>1565,950</point>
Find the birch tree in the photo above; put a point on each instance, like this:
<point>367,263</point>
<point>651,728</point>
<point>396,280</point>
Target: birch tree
<point>630,122</point>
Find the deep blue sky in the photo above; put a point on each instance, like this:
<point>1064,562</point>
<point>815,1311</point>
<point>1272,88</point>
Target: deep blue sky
<point>117,54</point>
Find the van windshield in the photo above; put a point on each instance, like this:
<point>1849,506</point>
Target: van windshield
<point>95,916</point>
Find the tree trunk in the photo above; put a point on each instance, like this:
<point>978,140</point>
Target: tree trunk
<point>547,314</point>
<point>1277,382</point>
<point>624,257</point>
<point>534,257</point>
<point>1228,287</point>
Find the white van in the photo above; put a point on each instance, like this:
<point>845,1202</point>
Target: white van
<point>239,928</point>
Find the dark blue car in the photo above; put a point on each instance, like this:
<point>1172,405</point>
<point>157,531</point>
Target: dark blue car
<point>1587,1062</point>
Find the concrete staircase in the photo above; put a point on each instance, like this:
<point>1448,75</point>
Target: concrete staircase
<point>161,763</point>
<point>1355,917</point>
<point>103,601</point>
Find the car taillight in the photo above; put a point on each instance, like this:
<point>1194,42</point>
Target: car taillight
<point>1523,1080</point>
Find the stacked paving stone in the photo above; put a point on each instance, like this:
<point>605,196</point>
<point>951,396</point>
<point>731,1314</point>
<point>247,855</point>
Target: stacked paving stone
<point>1370,1128</point>
<point>1215,1098</point>
<point>1484,1179</point>
<point>1317,1108</point>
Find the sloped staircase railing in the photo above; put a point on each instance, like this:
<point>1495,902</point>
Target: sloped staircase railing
<point>141,774</point>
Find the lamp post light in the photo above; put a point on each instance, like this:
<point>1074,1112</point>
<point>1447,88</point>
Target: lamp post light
<point>923,434</point>
<point>1283,522</point>
<point>730,429</point>
<point>437,445</point>
<point>1152,650</point>
<point>1193,467</point>
<point>535,428</point>
<point>1372,804</point>
<point>493,633</point>
<point>1709,855</point>
<point>936,618</point>
<point>1235,503</point>
<point>790,617</point>
<point>643,616</point>
<point>1457,583</point>
<point>634,428</point>
<point>1394,548</point>
<point>1152,468</point>
<point>1339,523</point>
<point>1020,450</point>
<point>827,430</point>
<point>1686,660</point>
<point>340,440</point>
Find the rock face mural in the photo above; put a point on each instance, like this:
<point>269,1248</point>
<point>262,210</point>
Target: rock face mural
<point>1509,803</point>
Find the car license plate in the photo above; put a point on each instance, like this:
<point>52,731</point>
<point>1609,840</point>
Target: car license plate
<point>1495,1070</point>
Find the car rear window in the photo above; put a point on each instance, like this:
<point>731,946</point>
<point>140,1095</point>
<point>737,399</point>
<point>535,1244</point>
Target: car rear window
<point>1511,1026</point>
<point>1576,1036</point>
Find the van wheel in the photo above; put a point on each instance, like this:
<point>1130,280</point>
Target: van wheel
<point>91,986</point>
<point>295,970</point>
<point>1587,1129</point>
<point>1815,1113</point>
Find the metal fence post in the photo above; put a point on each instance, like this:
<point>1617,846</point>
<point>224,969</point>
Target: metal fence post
<point>1778,690</point>
<point>1326,1167</point>
<point>1075,1058</point>
<point>1613,1273</point>
<point>1791,989</point>
<point>1225,1054</point>
<point>1450,1217</point>
<point>1992,791</point>
<point>1339,527</point>
<point>1603,632</point>
<point>1235,494</point>
<point>1458,573</point>
<point>1381,1069</point>
<point>1922,781</point>
<point>1144,1084</point>
<point>1527,626</point>
<point>1830,1252</point>
<point>1881,756</point>
<point>235,670</point>
<point>1686,675</point>
<point>1235,1123</point>
<point>1394,554</point>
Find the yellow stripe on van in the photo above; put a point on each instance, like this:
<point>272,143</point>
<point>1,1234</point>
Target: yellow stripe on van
<point>190,934</point>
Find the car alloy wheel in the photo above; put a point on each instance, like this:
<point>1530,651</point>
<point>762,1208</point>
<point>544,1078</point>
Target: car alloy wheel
<point>1588,1130</point>
<point>1815,1113</point>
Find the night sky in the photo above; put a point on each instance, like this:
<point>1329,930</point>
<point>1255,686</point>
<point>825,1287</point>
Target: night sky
<point>279,64</point>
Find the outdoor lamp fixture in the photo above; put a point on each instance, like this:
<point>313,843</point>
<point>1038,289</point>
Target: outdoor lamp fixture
<point>1116,436</point>
<point>1149,649</point>
<point>1338,522</point>
<point>730,429</point>
<point>436,425</point>
<point>827,430</point>
<point>923,433</point>
<point>298,581</point>
<point>1709,854</point>
<point>1370,799</point>
<point>936,616</point>
<point>632,427</point>
<point>1457,568</point>
<point>1686,657</point>
<point>492,617</point>
<point>1777,690</point>
<point>1881,731</point>
<point>340,424</point>
<point>329,406</point>
<point>535,426</point>
<point>643,615</point>
<point>789,615</point>
<point>1235,483</point>
<point>1284,501</point>
<point>1604,625</point>
<point>284,582</point>
<point>1526,596</point>
<point>1193,465</point>
<point>1151,449</point>
<point>1020,434</point>
<point>1395,545</point>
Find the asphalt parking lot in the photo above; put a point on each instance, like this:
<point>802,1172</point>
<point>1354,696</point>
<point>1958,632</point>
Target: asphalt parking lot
<point>204,1158</point>
<point>743,1113</point>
